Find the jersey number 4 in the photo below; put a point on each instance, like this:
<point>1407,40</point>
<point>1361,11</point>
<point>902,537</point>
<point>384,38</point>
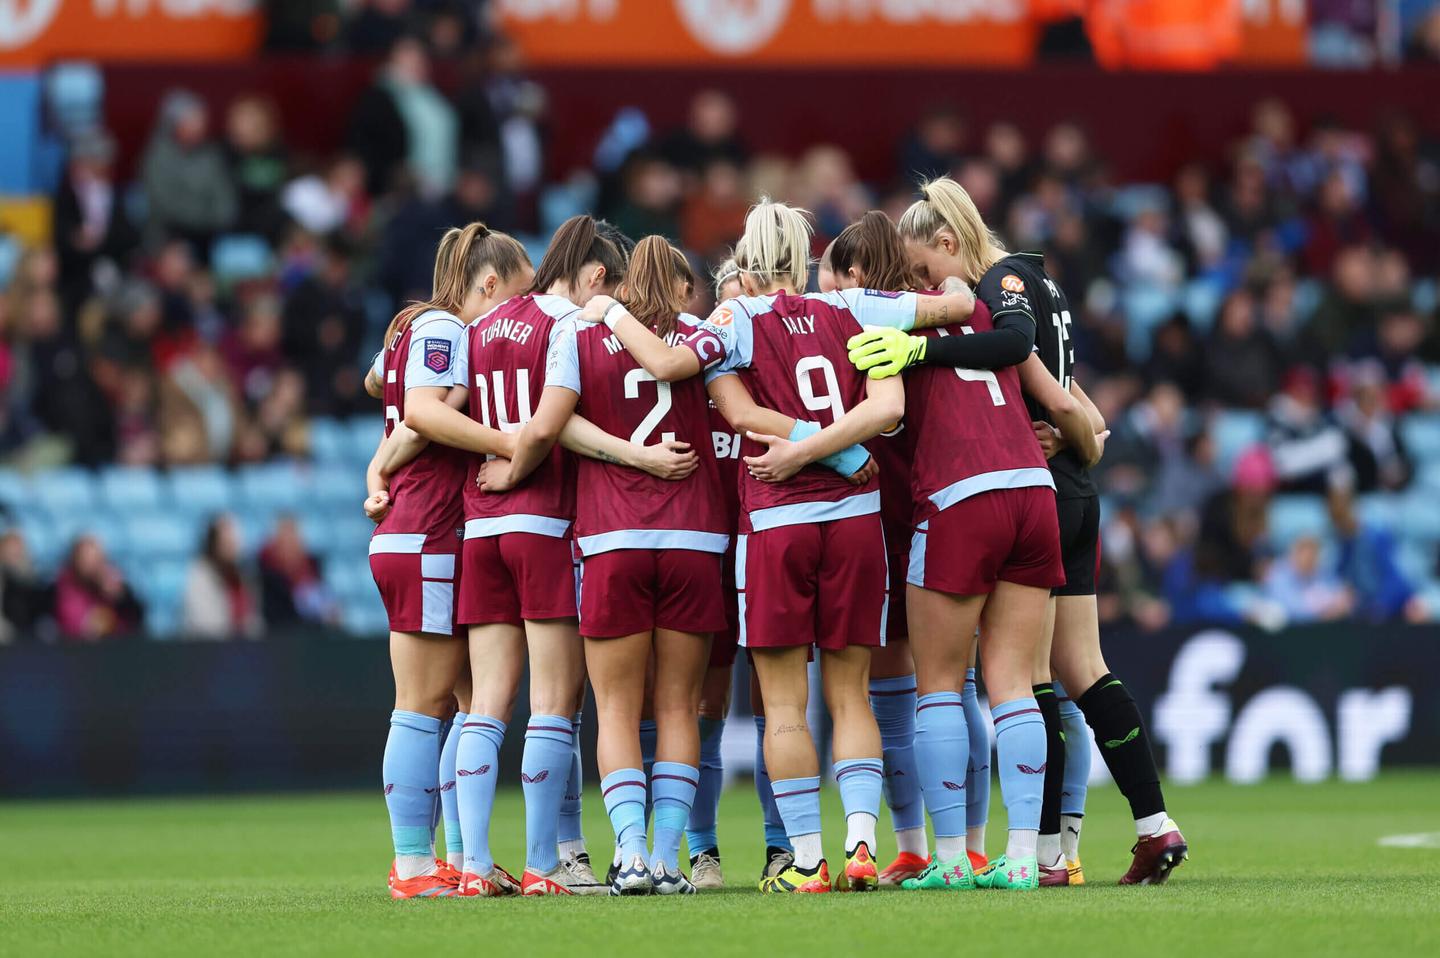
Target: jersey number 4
<point>522,400</point>
<point>986,376</point>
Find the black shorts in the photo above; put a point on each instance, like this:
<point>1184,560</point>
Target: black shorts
<point>1079,544</point>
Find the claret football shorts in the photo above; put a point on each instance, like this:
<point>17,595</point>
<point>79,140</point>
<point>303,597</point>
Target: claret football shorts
<point>1009,535</point>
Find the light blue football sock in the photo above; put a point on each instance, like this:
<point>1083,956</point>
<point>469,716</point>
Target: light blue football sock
<point>1077,755</point>
<point>411,772</point>
<point>775,836</point>
<point>477,770</point>
<point>893,702</point>
<point>941,744</point>
<point>648,736</point>
<point>624,792</point>
<point>672,786</point>
<point>861,781</point>
<point>977,773</point>
<point>449,799</point>
<point>700,830</point>
<point>544,768</point>
<point>798,800</point>
<point>1020,755</point>
<point>571,826</point>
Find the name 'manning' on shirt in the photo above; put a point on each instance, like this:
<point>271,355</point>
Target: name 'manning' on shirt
<point>789,350</point>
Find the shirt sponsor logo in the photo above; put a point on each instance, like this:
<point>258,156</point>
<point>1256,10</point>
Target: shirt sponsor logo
<point>883,294</point>
<point>1008,299</point>
<point>723,316</point>
<point>1013,283</point>
<point>437,354</point>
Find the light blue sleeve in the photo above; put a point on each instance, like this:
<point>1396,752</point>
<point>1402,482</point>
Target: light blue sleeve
<point>562,360</point>
<point>873,307</point>
<point>724,342</point>
<point>846,462</point>
<point>434,347</point>
<point>461,370</point>
<point>377,365</point>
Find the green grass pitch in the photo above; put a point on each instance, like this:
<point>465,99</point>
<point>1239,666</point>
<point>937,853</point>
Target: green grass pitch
<point>1276,869</point>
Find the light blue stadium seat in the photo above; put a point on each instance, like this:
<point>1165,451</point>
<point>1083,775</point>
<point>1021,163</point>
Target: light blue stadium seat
<point>1145,308</point>
<point>46,542</point>
<point>162,619</point>
<point>201,490</point>
<point>364,616</point>
<point>1421,434</point>
<point>1201,300</point>
<point>66,491</point>
<point>1379,509</point>
<point>128,487</point>
<point>329,441</point>
<point>339,538</point>
<point>1420,517</point>
<point>163,534</point>
<point>1234,431</point>
<point>14,491</point>
<point>273,487</point>
<point>1293,516</point>
<point>162,590</point>
<point>239,257</point>
<point>74,95</point>
<point>337,486</point>
<point>365,432</point>
<point>1427,476</point>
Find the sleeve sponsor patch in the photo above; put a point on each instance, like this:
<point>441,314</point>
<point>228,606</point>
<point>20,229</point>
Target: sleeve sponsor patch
<point>1012,283</point>
<point>723,316</point>
<point>884,294</point>
<point>437,354</point>
<point>1009,300</point>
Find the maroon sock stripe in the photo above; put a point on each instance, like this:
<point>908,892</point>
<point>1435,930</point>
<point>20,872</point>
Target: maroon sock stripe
<point>1018,712</point>
<point>677,778</point>
<point>621,785</point>
<point>798,791</point>
<point>872,769</point>
<point>909,691</point>
<point>480,725</point>
<point>549,728</point>
<point>936,705</point>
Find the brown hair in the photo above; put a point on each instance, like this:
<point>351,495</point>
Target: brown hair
<point>579,240</point>
<point>463,252</point>
<point>873,246</point>
<point>650,294</point>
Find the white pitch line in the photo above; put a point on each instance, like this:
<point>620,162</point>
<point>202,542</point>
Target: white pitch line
<point>1417,840</point>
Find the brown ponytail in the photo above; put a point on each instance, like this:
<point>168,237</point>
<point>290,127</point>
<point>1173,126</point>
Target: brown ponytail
<point>580,240</point>
<point>650,292</point>
<point>873,245</point>
<point>462,255</point>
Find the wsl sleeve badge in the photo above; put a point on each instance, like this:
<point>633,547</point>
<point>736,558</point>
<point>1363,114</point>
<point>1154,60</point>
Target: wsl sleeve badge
<point>437,354</point>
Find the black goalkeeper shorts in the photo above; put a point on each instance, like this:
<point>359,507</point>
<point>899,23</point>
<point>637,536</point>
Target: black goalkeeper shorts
<point>1079,544</point>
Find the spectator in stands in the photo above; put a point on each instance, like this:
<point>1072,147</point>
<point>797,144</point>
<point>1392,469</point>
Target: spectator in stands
<point>90,222</point>
<point>258,164</point>
<point>188,188</point>
<point>1377,454</point>
<point>1199,231</point>
<point>714,215</point>
<point>653,189</point>
<point>1307,446</point>
<point>1338,222</point>
<point>330,202</point>
<point>712,133</point>
<point>27,602</point>
<point>1306,591</point>
<point>93,603</point>
<point>220,600</point>
<point>1347,313</point>
<point>826,184</point>
<point>292,590</point>
<point>1005,147</point>
<point>1400,340</point>
<point>935,146</point>
<point>324,324</point>
<point>1423,45</point>
<point>1177,356</point>
<point>1242,361</point>
<point>404,122</point>
<point>1147,259</point>
<point>1370,565</point>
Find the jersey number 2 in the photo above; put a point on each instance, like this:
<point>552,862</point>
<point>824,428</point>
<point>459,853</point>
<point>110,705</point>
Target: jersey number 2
<point>657,412</point>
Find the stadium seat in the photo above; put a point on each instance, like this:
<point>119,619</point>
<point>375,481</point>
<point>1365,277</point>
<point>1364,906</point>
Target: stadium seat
<point>337,486</point>
<point>201,490</point>
<point>1201,300</point>
<point>66,491</point>
<point>365,434</point>
<point>74,95</point>
<point>239,257</point>
<point>328,440</point>
<point>1421,434</point>
<point>1421,518</point>
<point>1234,431</point>
<point>46,543</point>
<point>162,534</point>
<point>273,487</point>
<point>14,490</point>
<point>1293,516</point>
<point>1145,308</point>
<point>127,487</point>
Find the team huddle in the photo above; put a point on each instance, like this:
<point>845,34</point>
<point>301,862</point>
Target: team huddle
<point>890,476</point>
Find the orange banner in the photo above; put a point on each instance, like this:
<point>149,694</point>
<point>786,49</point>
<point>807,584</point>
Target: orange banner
<point>34,32</point>
<point>840,33</point>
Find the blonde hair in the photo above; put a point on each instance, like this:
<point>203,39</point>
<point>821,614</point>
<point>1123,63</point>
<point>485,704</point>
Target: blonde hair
<point>946,207</point>
<point>776,244</point>
<point>649,291</point>
<point>463,252</point>
<point>728,270</point>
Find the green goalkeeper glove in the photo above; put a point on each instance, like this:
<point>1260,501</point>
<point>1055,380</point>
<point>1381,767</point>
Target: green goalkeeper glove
<point>885,352</point>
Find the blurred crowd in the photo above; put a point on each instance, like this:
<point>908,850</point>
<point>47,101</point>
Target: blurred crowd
<point>209,310</point>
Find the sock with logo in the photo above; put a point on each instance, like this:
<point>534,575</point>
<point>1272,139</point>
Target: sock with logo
<point>893,702</point>
<point>861,780</point>
<point>571,833</point>
<point>941,744</point>
<point>411,773</point>
<point>449,800</point>
<point>977,769</point>
<point>1113,716</point>
<point>477,770</point>
<point>672,786</point>
<point>624,792</point>
<point>775,836</point>
<point>798,800</point>
<point>544,768</point>
<point>649,734</point>
<point>1077,773</point>
<point>1049,704</point>
<point>700,830</point>
<point>1020,756</point>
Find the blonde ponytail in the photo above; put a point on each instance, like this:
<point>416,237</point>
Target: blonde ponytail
<point>776,245</point>
<point>946,207</point>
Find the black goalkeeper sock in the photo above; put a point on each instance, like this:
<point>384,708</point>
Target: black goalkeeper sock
<point>1124,744</point>
<point>1049,703</point>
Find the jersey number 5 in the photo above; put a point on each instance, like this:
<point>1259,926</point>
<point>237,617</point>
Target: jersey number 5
<point>657,412</point>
